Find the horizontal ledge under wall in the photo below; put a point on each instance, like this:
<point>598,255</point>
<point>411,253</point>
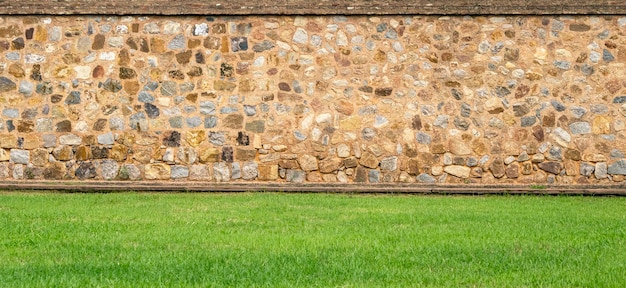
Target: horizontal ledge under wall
<point>306,7</point>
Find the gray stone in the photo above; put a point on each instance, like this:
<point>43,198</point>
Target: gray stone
<point>619,99</point>
<point>139,121</point>
<point>129,172</point>
<point>109,169</point>
<point>110,85</point>
<point>558,106</point>
<point>228,110</point>
<point>441,121</point>
<point>217,138</point>
<point>587,69</point>
<point>607,56</point>
<point>250,110</point>
<point>106,139</point>
<point>425,178</point>
<point>586,169</point>
<point>615,153</point>
<point>250,170</point>
<point>263,46</point>
<point>210,122</point>
<point>26,88</point>
<point>599,109</point>
<point>528,121</point>
<point>145,97</point>
<point>236,171</point>
<point>368,133</point>
<point>578,111</point>
<point>201,29</point>
<point>207,107</point>
<point>295,176</point>
<point>389,163</point>
<point>299,136</point>
<point>580,128</point>
<point>193,122</point>
<point>564,65</point>
<point>368,110</point>
<point>423,138</point>
<point>6,84</point>
<point>85,170</point>
<point>300,36</point>
<point>179,171</point>
<point>11,112</point>
<point>373,176</point>
<point>221,172</point>
<point>20,156</point>
<point>601,170</point>
<point>177,43</point>
<point>617,168</point>
<point>116,123</point>
<point>43,125</point>
<point>168,88</point>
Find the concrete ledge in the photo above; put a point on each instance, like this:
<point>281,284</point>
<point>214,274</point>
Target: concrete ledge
<point>110,186</point>
<point>305,7</point>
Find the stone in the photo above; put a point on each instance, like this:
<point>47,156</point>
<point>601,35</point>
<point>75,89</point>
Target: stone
<point>601,170</point>
<point>250,170</point>
<point>6,85</point>
<point>512,171</point>
<point>459,147</point>
<point>425,178</point>
<point>70,139</point>
<point>157,171</point>
<point>129,172</point>
<point>578,128</point>
<point>109,169</point>
<point>20,156</point>
<point>368,160</point>
<point>388,164</point>
<point>179,172</point>
<point>497,168</point>
<point>587,169</point>
<point>221,172</point>
<point>295,176</point>
<point>307,162</point>
<point>233,121</point>
<point>85,170</point>
<point>458,171</point>
<point>373,176</point>
<point>551,167</point>
<point>106,139</point>
<point>617,168</point>
<point>330,165</point>
<point>171,138</point>
<point>601,125</point>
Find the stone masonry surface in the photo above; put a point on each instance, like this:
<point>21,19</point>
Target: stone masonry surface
<point>350,99</point>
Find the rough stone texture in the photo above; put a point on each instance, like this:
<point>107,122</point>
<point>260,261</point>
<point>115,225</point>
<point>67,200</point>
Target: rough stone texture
<point>354,99</point>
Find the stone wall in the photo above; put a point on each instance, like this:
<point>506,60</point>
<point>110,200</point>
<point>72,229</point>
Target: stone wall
<point>425,99</point>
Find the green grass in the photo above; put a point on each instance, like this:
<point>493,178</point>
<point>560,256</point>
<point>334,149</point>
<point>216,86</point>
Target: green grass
<point>300,240</point>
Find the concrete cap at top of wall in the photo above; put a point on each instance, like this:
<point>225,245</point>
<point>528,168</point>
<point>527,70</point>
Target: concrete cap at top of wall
<point>307,7</point>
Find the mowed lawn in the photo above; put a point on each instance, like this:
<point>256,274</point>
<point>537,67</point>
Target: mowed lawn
<point>303,240</point>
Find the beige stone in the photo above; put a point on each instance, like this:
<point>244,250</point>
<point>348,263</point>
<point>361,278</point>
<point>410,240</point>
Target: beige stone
<point>369,160</point>
<point>458,171</point>
<point>39,157</point>
<point>159,171</point>
<point>307,162</point>
<point>459,147</point>
<point>268,173</point>
<point>601,125</point>
<point>208,155</point>
<point>8,141</point>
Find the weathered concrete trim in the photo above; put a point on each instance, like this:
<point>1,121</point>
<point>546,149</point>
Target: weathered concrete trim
<point>110,186</point>
<point>305,7</point>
